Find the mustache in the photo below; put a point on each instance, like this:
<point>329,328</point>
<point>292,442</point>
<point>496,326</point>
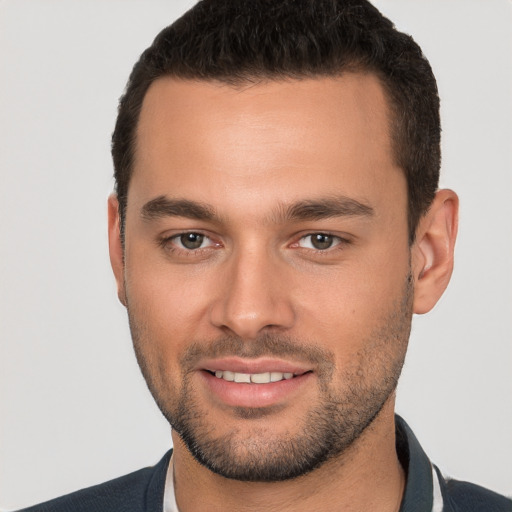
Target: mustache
<point>265,345</point>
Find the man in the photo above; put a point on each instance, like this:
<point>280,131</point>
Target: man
<point>276,223</point>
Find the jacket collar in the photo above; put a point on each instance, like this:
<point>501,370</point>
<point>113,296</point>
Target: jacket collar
<point>418,495</point>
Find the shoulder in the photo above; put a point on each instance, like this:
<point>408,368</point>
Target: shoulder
<point>126,492</point>
<point>468,497</point>
<point>140,491</point>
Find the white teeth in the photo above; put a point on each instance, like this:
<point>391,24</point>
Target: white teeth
<point>260,378</point>
<point>255,378</point>
<point>229,376</point>
<point>243,377</point>
<point>276,376</point>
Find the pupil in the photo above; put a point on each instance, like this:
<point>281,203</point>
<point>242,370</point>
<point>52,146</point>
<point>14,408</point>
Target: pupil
<point>321,241</point>
<point>191,240</point>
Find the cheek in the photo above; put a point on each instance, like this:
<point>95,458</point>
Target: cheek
<point>344,308</point>
<point>162,314</point>
<point>158,338</point>
<point>349,296</point>
<point>172,299</point>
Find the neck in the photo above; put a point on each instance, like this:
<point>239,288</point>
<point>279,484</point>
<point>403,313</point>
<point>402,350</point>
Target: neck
<point>368,476</point>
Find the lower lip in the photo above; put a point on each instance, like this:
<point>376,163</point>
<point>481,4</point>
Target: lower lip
<point>237,394</point>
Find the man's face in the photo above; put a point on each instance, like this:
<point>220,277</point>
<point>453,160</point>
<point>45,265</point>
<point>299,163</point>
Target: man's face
<point>266,241</point>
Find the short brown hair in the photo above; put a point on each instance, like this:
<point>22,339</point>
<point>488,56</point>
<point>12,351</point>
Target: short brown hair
<point>240,41</point>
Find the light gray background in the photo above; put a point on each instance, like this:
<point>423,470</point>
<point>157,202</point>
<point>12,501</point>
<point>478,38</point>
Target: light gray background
<point>73,409</point>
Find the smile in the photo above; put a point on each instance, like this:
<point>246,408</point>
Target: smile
<point>252,378</point>
<point>248,385</point>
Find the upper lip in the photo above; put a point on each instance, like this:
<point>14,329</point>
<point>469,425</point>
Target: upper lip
<point>260,365</point>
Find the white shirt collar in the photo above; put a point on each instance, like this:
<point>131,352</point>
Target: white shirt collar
<point>169,496</point>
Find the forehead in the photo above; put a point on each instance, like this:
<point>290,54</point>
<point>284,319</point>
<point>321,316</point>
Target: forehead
<point>278,139</point>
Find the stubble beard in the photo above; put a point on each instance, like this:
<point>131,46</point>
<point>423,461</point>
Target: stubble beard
<point>337,420</point>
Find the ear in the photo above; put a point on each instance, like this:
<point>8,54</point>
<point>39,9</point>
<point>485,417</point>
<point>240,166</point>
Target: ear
<point>115,246</point>
<point>432,251</point>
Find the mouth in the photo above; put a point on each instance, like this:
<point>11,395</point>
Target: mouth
<point>235,382</point>
<point>254,378</point>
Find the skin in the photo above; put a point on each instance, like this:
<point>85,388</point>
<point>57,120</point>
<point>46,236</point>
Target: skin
<point>248,153</point>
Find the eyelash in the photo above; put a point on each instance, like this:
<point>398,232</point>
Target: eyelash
<point>338,242</point>
<point>167,244</point>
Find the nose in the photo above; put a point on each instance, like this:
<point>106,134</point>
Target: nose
<point>253,296</point>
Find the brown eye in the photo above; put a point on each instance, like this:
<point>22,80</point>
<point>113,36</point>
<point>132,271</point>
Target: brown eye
<point>319,241</point>
<point>191,240</point>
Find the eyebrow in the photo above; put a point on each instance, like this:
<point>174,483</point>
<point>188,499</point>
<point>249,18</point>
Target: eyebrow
<point>305,210</point>
<point>165,207</point>
<point>323,208</point>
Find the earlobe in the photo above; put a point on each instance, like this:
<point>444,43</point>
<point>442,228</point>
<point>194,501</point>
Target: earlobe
<point>116,246</point>
<point>432,253</point>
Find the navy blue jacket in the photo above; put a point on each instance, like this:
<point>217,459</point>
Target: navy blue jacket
<point>143,491</point>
